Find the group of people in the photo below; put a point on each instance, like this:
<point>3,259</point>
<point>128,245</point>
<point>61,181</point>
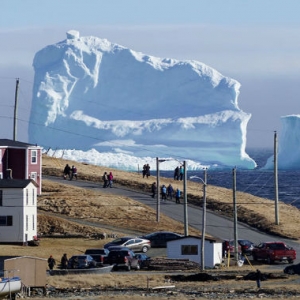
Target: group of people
<point>70,172</point>
<point>107,179</point>
<point>146,170</point>
<point>167,192</point>
<point>63,262</point>
<point>178,173</point>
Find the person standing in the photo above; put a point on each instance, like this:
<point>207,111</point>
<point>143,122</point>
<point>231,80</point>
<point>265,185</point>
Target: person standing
<point>170,192</point>
<point>147,170</point>
<point>64,261</point>
<point>105,180</point>
<point>110,179</point>
<point>176,173</point>
<point>177,195</point>
<point>164,192</point>
<point>153,189</point>
<point>51,262</point>
<point>67,170</point>
<point>73,173</point>
<point>258,277</point>
<point>181,172</point>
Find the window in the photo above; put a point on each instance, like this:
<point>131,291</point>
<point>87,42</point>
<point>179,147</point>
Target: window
<point>189,249</point>
<point>33,225</point>
<point>26,225</point>
<point>33,156</point>
<point>33,197</point>
<point>26,196</point>
<point>6,220</point>
<point>1,198</point>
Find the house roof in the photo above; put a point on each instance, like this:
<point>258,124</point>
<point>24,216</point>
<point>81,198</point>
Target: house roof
<point>16,183</point>
<point>17,144</point>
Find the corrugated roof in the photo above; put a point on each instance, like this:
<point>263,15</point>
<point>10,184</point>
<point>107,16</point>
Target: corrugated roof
<point>16,183</point>
<point>12,143</point>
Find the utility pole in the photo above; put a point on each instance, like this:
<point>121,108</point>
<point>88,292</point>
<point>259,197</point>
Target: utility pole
<point>186,223</point>
<point>157,191</point>
<point>276,180</point>
<point>16,109</point>
<point>236,254</point>
<point>203,222</point>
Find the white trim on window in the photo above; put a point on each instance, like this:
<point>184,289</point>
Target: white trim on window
<point>34,156</point>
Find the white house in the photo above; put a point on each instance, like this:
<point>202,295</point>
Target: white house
<point>18,210</point>
<point>189,247</point>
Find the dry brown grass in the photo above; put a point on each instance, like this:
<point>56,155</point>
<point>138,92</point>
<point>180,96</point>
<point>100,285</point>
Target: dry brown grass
<point>255,211</point>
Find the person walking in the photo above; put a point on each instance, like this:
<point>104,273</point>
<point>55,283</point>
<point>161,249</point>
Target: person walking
<point>170,192</point>
<point>110,179</point>
<point>176,173</point>
<point>67,171</point>
<point>73,173</point>
<point>105,180</point>
<point>181,172</point>
<point>258,277</point>
<point>64,261</point>
<point>153,189</point>
<point>164,193</point>
<point>177,195</point>
<point>51,262</point>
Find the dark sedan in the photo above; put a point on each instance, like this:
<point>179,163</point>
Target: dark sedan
<point>160,238</point>
<point>246,246</point>
<point>144,260</point>
<point>292,269</point>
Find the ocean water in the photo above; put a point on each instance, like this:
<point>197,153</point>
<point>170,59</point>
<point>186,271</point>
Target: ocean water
<point>257,182</point>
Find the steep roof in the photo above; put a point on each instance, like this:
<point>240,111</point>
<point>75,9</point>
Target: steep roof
<point>12,143</point>
<point>16,183</point>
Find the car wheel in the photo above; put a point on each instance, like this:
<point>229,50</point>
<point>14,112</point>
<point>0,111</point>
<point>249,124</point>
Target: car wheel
<point>290,271</point>
<point>290,261</point>
<point>144,249</point>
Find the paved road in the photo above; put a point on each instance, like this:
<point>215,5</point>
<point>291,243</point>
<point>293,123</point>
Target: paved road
<point>216,225</point>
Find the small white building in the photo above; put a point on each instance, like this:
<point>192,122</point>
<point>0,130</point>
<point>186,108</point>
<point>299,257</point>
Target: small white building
<point>18,211</point>
<point>189,247</point>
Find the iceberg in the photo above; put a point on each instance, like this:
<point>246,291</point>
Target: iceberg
<point>89,93</point>
<point>288,156</point>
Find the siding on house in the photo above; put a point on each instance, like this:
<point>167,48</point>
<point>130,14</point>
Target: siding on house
<point>190,248</point>
<point>21,161</point>
<point>18,210</point>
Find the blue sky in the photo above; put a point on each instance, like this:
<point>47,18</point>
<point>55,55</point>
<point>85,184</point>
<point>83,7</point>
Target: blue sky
<point>253,41</point>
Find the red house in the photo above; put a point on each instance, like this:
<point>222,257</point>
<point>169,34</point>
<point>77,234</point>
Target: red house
<point>21,161</point>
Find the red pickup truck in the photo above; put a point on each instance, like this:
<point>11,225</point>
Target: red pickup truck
<point>274,251</point>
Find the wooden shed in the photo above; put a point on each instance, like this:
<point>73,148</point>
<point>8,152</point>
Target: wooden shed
<point>32,270</point>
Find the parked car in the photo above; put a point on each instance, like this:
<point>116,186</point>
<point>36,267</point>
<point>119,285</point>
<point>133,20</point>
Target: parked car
<point>274,251</point>
<point>123,259</point>
<point>228,247</point>
<point>81,262</point>
<point>144,260</point>
<point>292,269</point>
<point>136,244</point>
<point>160,238</point>
<point>98,254</point>
<point>246,246</point>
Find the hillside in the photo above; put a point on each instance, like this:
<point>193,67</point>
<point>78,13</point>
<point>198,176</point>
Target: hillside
<point>252,210</point>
